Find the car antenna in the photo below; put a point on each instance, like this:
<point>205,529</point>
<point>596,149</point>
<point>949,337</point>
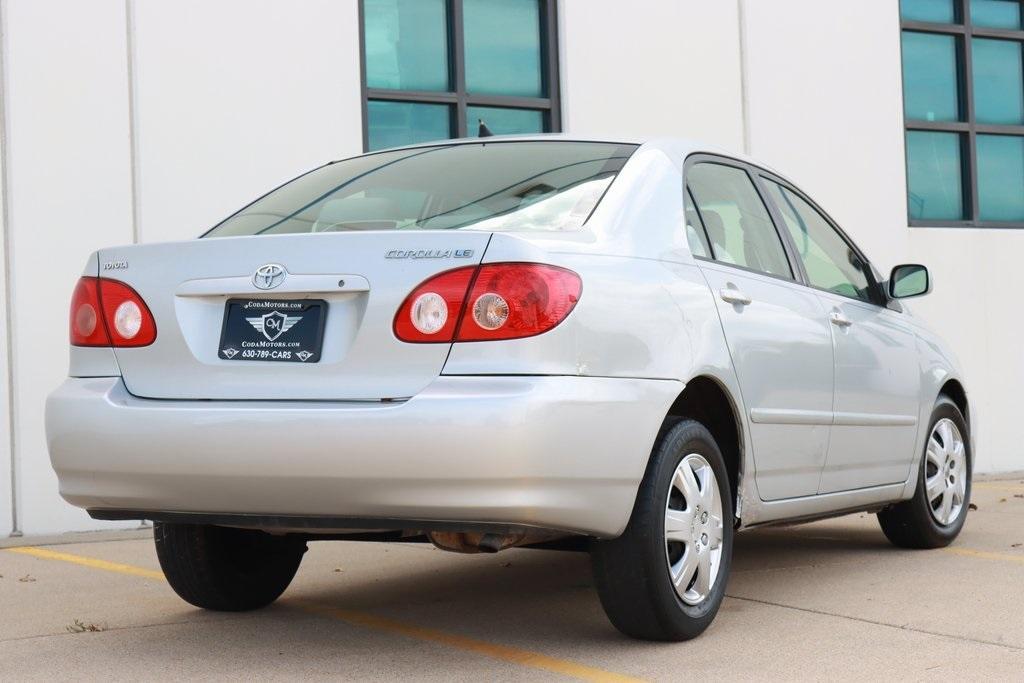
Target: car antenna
<point>484,131</point>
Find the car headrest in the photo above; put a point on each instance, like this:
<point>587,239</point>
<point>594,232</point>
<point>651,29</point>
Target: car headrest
<point>715,226</point>
<point>355,211</point>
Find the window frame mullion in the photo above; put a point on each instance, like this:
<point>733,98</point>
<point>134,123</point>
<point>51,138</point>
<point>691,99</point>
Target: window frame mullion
<point>457,58</point>
<point>971,162</point>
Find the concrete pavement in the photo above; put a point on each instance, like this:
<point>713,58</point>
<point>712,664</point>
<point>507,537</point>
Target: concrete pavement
<point>830,600</point>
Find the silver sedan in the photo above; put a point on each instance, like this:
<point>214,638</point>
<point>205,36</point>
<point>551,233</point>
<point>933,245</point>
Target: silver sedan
<point>636,349</point>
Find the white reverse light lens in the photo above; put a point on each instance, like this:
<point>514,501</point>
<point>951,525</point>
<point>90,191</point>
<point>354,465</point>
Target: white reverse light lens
<point>490,311</point>
<point>128,319</point>
<point>429,313</point>
<point>85,320</point>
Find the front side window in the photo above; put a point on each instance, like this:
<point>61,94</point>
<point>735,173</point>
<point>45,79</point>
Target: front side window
<point>435,69</point>
<point>831,263</point>
<point>738,225</point>
<point>963,101</point>
<point>494,186</point>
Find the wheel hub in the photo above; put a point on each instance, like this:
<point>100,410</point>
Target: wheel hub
<point>693,529</point>
<point>946,472</point>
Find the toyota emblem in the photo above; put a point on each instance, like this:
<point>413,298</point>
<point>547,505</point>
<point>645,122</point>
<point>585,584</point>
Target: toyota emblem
<point>269,276</point>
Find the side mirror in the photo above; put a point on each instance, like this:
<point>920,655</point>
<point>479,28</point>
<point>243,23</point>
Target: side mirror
<point>909,279</point>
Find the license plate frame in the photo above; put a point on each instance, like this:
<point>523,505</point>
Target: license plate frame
<point>266,330</point>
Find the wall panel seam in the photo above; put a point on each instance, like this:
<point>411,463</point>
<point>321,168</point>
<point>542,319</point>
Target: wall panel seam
<point>133,140</point>
<point>744,101</point>
<point>8,263</point>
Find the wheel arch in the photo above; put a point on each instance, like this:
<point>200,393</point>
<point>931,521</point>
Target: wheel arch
<point>706,400</point>
<point>954,390</point>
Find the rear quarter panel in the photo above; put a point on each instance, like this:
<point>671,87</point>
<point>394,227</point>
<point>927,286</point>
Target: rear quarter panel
<point>645,310</point>
<point>635,318</point>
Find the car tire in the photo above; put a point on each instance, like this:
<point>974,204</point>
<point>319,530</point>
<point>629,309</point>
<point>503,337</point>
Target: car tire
<point>923,522</point>
<point>634,573</point>
<point>226,569</point>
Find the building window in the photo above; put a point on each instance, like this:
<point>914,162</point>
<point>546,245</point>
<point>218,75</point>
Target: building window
<point>963,100</point>
<point>433,69</point>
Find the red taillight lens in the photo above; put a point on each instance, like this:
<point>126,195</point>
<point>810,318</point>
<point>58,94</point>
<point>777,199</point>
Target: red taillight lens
<point>87,328</point>
<point>109,313</point>
<point>504,301</point>
<point>515,300</point>
<point>431,312</point>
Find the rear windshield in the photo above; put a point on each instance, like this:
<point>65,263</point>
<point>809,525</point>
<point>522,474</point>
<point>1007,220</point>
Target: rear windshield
<point>548,185</point>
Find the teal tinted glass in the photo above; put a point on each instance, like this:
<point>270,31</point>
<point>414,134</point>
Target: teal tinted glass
<point>1001,177</point>
<point>930,90</point>
<point>934,176</point>
<point>939,11</point>
<point>998,67</point>
<point>406,44</point>
<point>391,124</point>
<point>996,13</point>
<point>503,53</point>
<point>502,121</point>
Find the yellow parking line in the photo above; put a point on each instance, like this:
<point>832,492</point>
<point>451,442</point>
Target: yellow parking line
<point>44,554</point>
<point>500,652</point>
<point>984,555</point>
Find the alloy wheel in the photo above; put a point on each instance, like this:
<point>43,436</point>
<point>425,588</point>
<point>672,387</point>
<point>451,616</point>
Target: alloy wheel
<point>945,475</point>
<point>693,529</point>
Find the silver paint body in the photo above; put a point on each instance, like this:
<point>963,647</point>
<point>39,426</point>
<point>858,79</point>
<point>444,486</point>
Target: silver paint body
<point>552,431</point>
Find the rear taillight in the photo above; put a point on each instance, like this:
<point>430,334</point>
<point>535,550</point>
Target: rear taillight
<point>488,302</point>
<point>109,313</point>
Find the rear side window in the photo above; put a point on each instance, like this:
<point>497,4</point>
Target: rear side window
<point>543,185</point>
<point>831,263</point>
<point>738,224</point>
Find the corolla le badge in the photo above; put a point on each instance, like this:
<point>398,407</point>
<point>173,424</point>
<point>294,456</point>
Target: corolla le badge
<point>428,253</point>
<point>269,276</point>
<point>274,324</point>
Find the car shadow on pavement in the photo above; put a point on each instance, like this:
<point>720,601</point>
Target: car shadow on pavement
<point>531,599</point>
<point>546,596</point>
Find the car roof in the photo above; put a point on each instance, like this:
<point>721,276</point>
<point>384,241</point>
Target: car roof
<point>677,148</point>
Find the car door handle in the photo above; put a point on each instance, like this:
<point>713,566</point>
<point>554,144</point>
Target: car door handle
<point>839,320</point>
<point>734,296</point>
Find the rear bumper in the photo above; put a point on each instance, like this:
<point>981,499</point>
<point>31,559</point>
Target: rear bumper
<point>564,453</point>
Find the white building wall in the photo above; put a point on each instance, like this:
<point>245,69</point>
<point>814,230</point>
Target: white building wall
<point>153,120</point>
<point>68,181</point>
<point>651,68</point>
<point>6,461</point>
<point>235,97</point>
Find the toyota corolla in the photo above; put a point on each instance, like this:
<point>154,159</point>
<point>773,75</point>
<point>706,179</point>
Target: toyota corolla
<point>637,349</point>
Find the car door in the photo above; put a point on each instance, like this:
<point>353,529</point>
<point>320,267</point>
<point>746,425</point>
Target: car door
<point>777,330</point>
<point>876,370</point>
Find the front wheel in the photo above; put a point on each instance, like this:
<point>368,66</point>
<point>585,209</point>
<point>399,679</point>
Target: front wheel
<point>225,569</point>
<point>664,577</point>
<point>936,513</point>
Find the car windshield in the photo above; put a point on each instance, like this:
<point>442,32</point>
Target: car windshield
<point>494,186</point>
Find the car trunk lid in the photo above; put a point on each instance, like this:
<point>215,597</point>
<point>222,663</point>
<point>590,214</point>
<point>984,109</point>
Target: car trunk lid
<point>362,278</point>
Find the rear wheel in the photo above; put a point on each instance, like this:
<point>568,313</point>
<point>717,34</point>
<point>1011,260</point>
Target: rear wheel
<point>936,513</point>
<point>225,569</point>
<point>664,578</point>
